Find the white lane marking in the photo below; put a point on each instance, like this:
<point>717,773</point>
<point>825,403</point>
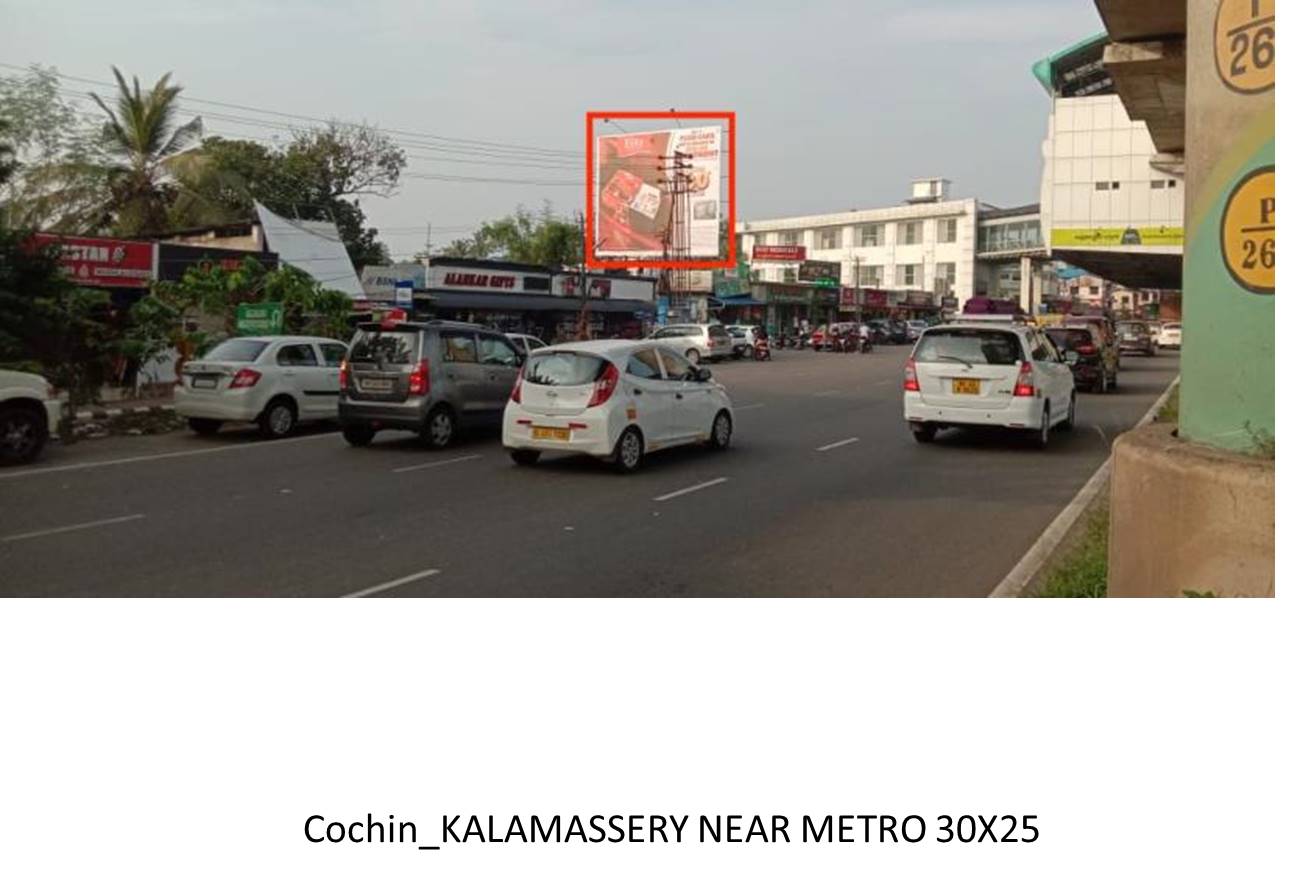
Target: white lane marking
<point>166,455</point>
<point>410,469</point>
<point>711,483</point>
<point>827,393</point>
<point>1020,579</point>
<point>60,530</point>
<point>1101,433</point>
<point>742,408</point>
<point>383,586</point>
<point>830,446</point>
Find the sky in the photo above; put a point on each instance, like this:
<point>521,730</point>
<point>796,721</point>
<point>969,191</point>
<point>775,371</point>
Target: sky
<point>839,104</point>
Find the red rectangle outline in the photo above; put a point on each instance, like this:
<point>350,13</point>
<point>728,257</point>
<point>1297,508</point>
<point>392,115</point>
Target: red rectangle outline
<point>589,248</point>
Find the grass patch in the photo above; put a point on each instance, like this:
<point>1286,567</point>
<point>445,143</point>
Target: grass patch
<point>1169,411</point>
<point>1083,572</point>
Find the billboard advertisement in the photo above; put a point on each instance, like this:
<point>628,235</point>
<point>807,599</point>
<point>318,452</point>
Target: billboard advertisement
<point>176,259</point>
<point>103,262</point>
<point>778,253</point>
<point>814,271</point>
<point>635,212</point>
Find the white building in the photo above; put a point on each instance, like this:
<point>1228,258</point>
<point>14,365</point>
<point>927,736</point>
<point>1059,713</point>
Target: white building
<point>1111,198</point>
<point>922,250</point>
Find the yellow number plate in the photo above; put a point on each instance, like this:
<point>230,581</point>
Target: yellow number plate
<point>560,433</point>
<point>965,385</point>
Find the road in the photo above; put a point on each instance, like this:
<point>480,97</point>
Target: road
<point>824,492</point>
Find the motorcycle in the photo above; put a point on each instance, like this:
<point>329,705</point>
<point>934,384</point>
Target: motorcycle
<point>761,350</point>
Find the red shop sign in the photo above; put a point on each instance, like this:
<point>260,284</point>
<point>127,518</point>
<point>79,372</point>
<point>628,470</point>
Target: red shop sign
<point>875,299</point>
<point>103,262</point>
<point>777,253</point>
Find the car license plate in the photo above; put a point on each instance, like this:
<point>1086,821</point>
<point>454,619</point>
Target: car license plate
<point>559,433</point>
<point>204,382</point>
<point>374,384</point>
<point>966,385</point>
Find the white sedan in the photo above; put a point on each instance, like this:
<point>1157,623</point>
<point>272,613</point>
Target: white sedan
<point>1171,335</point>
<point>980,373</point>
<point>275,381</point>
<point>616,400</point>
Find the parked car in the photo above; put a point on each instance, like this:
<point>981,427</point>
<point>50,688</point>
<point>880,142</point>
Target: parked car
<point>1086,356</point>
<point>28,412</point>
<point>1155,331</point>
<point>1135,338</point>
<point>999,375</point>
<point>434,379</point>
<point>524,344</point>
<point>743,339</point>
<point>914,329</point>
<point>275,381</point>
<point>1171,335</point>
<point>616,400</point>
<point>889,331</point>
<point>697,341</point>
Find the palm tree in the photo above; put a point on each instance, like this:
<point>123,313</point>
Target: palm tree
<point>139,139</point>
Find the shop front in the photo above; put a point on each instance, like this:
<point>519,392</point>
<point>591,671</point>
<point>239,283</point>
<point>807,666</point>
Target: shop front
<point>744,309</point>
<point>551,318</point>
<point>918,306</point>
<point>787,307</point>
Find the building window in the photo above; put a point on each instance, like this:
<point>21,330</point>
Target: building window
<point>946,231</point>
<point>945,281</point>
<point>829,239</point>
<point>869,276</point>
<point>1157,184</point>
<point>910,233</point>
<point>1102,185</point>
<point>790,238</point>
<point>871,235</point>
<point>789,275</point>
<point>907,275</point>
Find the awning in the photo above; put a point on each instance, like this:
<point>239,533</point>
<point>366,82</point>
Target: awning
<point>524,302</point>
<point>743,301</point>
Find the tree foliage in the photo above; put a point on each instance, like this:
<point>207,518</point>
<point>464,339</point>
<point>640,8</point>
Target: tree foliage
<point>541,238</point>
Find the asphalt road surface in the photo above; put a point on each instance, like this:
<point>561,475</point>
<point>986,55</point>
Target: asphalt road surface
<point>824,492</point>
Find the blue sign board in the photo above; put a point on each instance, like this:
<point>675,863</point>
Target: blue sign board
<point>405,294</point>
<point>662,310</point>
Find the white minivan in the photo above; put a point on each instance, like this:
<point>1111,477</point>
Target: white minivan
<point>984,374</point>
<point>616,400</point>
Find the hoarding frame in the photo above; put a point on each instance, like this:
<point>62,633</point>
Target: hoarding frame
<point>589,236</point>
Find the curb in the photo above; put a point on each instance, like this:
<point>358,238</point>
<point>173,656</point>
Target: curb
<point>1020,579</point>
<point>103,414</point>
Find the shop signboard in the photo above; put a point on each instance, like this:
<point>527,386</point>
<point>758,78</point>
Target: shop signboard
<point>404,293</point>
<point>379,281</point>
<point>789,296</point>
<point>778,253</point>
<point>950,303</point>
<point>849,299</point>
<point>262,318</point>
<point>816,272</point>
<point>1153,236</point>
<point>176,259</point>
<point>635,205</point>
<point>875,298</point>
<point>102,262</point>
<point>918,300</point>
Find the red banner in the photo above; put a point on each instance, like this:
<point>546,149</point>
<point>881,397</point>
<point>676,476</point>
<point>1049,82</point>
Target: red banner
<point>103,262</point>
<point>875,299</point>
<point>778,253</point>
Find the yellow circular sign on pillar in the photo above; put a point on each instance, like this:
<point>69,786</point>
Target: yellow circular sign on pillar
<point>1247,231</point>
<point>1244,44</point>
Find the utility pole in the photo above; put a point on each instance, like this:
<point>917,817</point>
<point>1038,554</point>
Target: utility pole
<point>427,249</point>
<point>584,315</point>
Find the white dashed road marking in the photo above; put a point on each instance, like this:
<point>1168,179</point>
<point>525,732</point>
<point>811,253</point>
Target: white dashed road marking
<point>830,446</point>
<point>711,483</point>
<point>410,469</point>
<point>383,586</point>
<point>71,527</point>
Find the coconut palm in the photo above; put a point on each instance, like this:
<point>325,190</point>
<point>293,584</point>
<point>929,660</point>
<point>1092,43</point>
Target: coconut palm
<point>139,139</point>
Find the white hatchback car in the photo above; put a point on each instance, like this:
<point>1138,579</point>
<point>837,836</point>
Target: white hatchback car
<point>275,381</point>
<point>616,400</point>
<point>1171,335</point>
<point>987,374</point>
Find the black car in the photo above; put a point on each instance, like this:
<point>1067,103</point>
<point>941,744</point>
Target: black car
<point>889,332</point>
<point>1135,338</point>
<point>1093,364</point>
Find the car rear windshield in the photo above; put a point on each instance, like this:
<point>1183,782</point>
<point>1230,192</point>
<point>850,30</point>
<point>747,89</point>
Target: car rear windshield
<point>989,346</point>
<point>718,332</point>
<point>385,347</point>
<point>563,369</point>
<point>237,350</point>
<point>1068,339</point>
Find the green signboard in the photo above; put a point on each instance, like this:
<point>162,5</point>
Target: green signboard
<point>264,318</point>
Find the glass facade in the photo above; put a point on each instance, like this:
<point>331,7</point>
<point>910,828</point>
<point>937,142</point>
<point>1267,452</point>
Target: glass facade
<point>1002,237</point>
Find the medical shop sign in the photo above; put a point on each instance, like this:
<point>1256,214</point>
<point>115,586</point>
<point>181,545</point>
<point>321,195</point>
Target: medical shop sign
<point>102,262</point>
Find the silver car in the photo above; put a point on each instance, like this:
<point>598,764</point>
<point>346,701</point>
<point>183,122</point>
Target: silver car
<point>431,378</point>
<point>697,341</point>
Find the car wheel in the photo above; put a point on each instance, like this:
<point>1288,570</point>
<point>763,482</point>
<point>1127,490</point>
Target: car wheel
<point>693,356</point>
<point>923,433</point>
<point>1068,423</point>
<point>628,451</point>
<point>278,419</point>
<point>721,431</point>
<point>357,435</point>
<point>23,434</point>
<point>438,429</point>
<point>524,456</point>
<point>1042,435</point>
<point>204,426</point>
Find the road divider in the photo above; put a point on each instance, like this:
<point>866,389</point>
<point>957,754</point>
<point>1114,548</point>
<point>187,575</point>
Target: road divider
<point>410,469</point>
<point>831,445</point>
<point>392,583</point>
<point>702,486</point>
<point>102,522</point>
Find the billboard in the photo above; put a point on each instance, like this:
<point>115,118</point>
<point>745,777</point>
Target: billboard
<point>636,215</point>
<point>103,262</point>
<point>176,259</point>
<point>814,271</point>
<point>778,253</point>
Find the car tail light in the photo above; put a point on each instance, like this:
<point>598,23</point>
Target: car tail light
<point>1086,349</point>
<point>245,378</point>
<point>516,395</point>
<point>605,386</point>
<point>419,381</point>
<point>344,376</point>
<point>1024,386</point>
<point>911,376</point>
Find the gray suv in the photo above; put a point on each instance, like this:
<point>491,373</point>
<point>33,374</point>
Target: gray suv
<point>431,378</point>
